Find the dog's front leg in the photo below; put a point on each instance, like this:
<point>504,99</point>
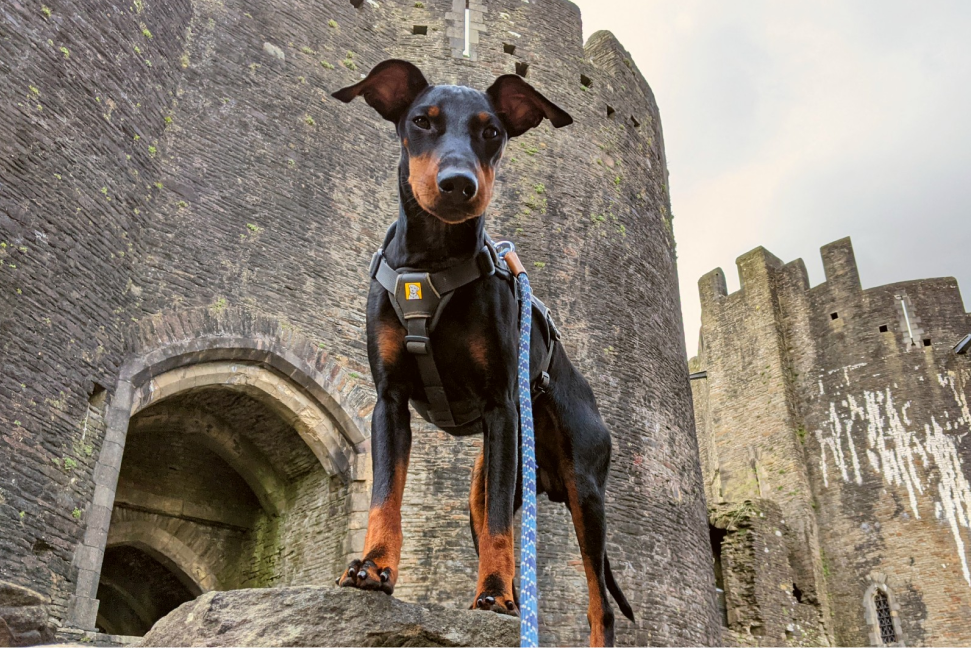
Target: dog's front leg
<point>497,564</point>
<point>390,450</point>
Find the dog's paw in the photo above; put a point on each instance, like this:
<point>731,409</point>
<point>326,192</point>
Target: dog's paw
<point>499,604</point>
<point>366,575</point>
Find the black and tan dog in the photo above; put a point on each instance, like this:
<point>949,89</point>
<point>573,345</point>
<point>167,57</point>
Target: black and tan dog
<point>452,140</point>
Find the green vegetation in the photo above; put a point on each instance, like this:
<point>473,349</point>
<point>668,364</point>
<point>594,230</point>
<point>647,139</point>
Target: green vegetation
<point>332,23</point>
<point>168,119</point>
<point>159,186</point>
<point>419,5</point>
<point>327,65</point>
<point>539,265</point>
<point>76,514</point>
<point>44,9</point>
<point>65,52</point>
<point>34,90</point>
<point>306,50</point>
<point>152,150</point>
<point>310,120</point>
<point>146,33</point>
<point>540,188</point>
<point>256,229</point>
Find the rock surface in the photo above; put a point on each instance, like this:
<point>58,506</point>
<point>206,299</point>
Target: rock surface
<point>24,616</point>
<point>313,616</point>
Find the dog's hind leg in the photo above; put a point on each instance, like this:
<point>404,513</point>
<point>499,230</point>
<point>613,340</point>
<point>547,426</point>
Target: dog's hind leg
<point>584,477</point>
<point>477,499</point>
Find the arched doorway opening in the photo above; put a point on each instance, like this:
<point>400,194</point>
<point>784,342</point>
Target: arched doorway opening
<point>231,478</point>
<point>136,590</point>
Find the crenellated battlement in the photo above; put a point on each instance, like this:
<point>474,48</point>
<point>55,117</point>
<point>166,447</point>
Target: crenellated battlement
<point>848,407</point>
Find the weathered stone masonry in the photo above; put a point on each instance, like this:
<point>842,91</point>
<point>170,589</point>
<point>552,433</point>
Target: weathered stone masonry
<point>848,410</point>
<point>186,220</point>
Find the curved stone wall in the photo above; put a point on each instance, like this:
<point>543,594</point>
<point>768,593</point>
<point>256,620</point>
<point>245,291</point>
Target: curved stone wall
<point>188,164</point>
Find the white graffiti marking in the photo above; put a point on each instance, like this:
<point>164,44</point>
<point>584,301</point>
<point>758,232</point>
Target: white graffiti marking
<point>895,450</point>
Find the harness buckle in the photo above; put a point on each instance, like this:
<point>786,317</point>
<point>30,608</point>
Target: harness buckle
<point>488,262</point>
<point>542,384</point>
<point>375,262</point>
<point>418,344</point>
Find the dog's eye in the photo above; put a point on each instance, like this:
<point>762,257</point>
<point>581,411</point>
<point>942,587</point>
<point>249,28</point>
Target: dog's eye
<point>422,122</point>
<point>491,132</point>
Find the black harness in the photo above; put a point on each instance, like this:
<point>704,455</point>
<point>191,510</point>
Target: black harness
<point>420,297</point>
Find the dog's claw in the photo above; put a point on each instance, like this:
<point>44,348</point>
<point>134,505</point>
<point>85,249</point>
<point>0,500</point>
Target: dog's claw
<point>490,604</point>
<point>366,575</point>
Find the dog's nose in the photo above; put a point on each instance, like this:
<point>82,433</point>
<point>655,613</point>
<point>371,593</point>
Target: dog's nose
<point>458,185</point>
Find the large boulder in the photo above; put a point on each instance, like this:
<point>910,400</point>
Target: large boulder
<point>24,618</point>
<point>313,616</point>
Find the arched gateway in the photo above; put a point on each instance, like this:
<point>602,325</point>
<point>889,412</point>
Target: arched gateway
<point>227,463</point>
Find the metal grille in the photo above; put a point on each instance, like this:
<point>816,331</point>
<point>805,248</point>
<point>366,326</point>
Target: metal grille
<point>887,634</point>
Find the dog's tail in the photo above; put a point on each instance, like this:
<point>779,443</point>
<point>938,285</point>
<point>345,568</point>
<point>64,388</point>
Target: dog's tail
<point>614,589</point>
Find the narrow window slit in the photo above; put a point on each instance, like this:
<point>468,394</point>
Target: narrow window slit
<point>586,81</point>
<point>467,51</point>
<point>610,111</point>
<point>888,634</point>
<point>420,30</point>
<point>508,49</point>
<point>634,121</point>
<point>796,593</point>
<point>522,69</point>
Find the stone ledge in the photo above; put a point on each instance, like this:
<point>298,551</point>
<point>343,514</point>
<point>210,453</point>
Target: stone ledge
<point>325,616</point>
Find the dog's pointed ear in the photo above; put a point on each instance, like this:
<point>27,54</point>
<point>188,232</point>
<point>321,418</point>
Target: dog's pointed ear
<point>389,88</point>
<point>521,107</point>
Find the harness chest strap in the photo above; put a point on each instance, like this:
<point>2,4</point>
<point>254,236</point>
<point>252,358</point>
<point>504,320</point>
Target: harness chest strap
<point>419,298</point>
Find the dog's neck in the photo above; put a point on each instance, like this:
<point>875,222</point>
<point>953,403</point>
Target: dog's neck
<point>423,241</point>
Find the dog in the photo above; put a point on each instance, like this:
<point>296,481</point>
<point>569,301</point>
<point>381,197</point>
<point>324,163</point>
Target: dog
<point>452,141</point>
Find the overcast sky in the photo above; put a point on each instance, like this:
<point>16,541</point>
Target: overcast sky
<point>790,125</point>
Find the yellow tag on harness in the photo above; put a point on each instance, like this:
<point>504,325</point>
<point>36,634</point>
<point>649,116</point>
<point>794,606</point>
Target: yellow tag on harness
<point>412,291</point>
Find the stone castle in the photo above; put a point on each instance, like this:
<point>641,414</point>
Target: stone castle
<point>186,222</point>
<point>833,426</point>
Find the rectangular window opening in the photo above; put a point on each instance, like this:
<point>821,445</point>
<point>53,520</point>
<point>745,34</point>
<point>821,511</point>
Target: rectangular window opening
<point>508,49</point>
<point>634,121</point>
<point>834,316</point>
<point>884,328</point>
<point>610,111</point>
<point>420,30</point>
<point>927,342</point>
<point>586,81</point>
<point>522,69</point>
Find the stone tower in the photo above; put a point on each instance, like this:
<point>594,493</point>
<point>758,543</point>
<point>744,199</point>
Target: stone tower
<point>833,428</point>
<point>186,221</point>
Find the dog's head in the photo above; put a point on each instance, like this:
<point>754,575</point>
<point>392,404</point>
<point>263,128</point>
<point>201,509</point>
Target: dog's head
<point>452,137</point>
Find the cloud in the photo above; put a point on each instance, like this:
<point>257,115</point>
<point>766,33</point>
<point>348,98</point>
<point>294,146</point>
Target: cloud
<point>790,125</point>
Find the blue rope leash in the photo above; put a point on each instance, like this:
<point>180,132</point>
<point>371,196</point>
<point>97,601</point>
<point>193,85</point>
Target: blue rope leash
<point>528,591</point>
